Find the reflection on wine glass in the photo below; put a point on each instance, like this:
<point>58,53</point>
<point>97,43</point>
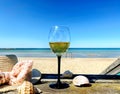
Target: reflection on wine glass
<point>59,41</point>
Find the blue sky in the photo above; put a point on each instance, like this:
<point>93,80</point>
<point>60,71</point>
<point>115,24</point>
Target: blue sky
<point>92,23</point>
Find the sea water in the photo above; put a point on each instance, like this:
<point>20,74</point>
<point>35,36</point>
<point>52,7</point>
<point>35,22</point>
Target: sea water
<point>71,53</point>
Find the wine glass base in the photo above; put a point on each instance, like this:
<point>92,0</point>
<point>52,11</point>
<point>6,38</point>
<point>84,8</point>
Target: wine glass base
<point>59,85</point>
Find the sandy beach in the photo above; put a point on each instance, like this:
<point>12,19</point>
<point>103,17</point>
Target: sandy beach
<point>75,65</point>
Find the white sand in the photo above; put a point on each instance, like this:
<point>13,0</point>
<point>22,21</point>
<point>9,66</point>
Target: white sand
<point>75,65</point>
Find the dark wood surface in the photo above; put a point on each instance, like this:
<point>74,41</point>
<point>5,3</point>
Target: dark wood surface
<point>94,88</point>
<point>100,84</point>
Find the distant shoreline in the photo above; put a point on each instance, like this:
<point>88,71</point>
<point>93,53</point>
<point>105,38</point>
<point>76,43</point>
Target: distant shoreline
<point>49,48</point>
<point>71,53</point>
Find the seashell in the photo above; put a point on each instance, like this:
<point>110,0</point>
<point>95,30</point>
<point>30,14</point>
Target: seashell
<point>67,74</point>
<point>36,76</point>
<point>26,88</point>
<point>80,80</point>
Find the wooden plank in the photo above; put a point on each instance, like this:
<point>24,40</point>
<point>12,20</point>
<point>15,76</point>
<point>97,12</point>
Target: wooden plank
<point>92,78</point>
<point>113,69</point>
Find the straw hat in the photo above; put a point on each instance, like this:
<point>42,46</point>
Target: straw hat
<point>7,62</point>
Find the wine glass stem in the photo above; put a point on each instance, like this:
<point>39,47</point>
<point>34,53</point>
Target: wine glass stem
<point>59,61</point>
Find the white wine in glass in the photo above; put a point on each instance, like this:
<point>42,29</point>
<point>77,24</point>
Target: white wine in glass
<point>59,41</point>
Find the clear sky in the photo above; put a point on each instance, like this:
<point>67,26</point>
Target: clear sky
<point>92,23</point>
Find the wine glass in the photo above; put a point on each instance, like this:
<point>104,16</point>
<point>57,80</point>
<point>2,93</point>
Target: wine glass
<point>59,41</point>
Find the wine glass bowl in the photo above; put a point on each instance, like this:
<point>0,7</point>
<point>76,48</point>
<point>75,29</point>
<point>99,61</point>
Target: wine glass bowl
<point>59,41</point>
<point>59,47</point>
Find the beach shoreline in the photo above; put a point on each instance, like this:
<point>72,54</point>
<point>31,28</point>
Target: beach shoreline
<point>75,65</point>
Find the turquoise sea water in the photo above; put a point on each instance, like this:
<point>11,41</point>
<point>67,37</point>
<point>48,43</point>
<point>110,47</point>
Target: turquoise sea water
<point>72,52</point>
